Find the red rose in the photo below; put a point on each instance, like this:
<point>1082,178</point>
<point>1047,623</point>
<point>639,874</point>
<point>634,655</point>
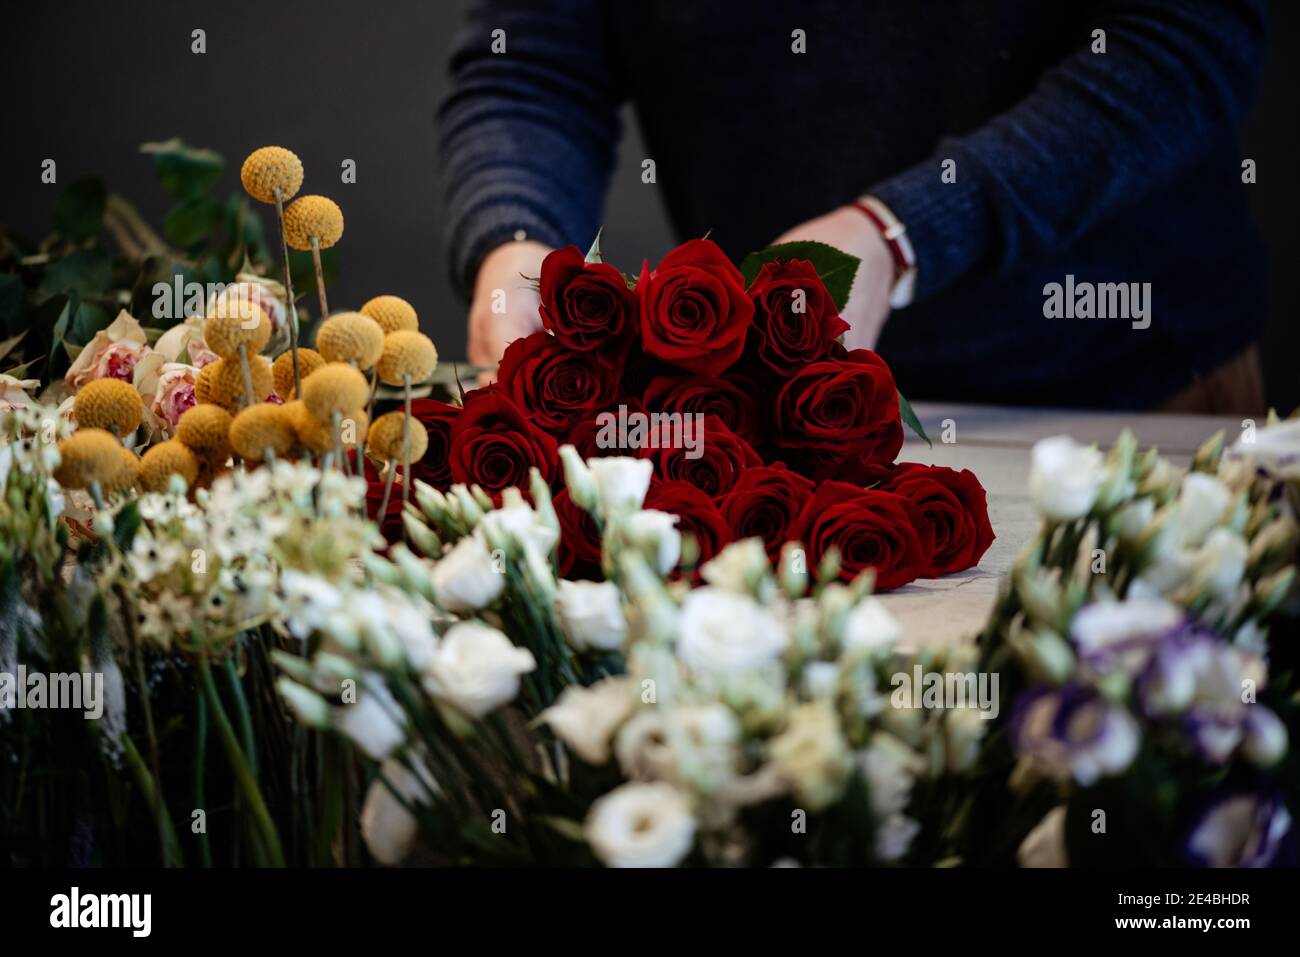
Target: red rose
<point>730,400</point>
<point>556,385</point>
<point>861,466</point>
<point>835,406</point>
<point>765,503</point>
<point>694,311</point>
<point>494,443</point>
<point>591,436</point>
<point>871,529</point>
<point>579,552</point>
<point>709,456</point>
<point>699,517</point>
<point>954,507</point>
<point>437,419</point>
<point>795,319</point>
<point>390,525</point>
<point>586,305</point>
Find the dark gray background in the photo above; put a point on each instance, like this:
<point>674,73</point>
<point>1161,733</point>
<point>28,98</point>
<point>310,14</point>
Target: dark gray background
<point>85,83</point>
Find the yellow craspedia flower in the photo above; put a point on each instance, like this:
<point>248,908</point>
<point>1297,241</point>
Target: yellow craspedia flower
<point>224,385</point>
<point>209,469</point>
<point>88,456</point>
<point>261,427</point>
<point>109,404</point>
<point>271,168</point>
<point>129,474</point>
<point>312,216</point>
<point>406,353</point>
<point>309,360</point>
<point>392,313</point>
<point>205,429</point>
<point>163,461</point>
<point>318,435</point>
<point>334,387</point>
<point>385,440</point>
<point>350,337</point>
<point>243,323</point>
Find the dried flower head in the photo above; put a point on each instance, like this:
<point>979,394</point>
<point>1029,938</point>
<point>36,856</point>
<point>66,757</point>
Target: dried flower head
<point>110,404</point>
<point>350,337</point>
<point>206,430</point>
<point>318,435</point>
<point>224,385</point>
<point>163,461</point>
<point>385,440</point>
<point>311,217</point>
<point>334,387</point>
<point>88,456</point>
<point>271,168</point>
<point>261,427</point>
<point>309,360</point>
<point>406,353</point>
<point>242,324</point>
<point>392,313</point>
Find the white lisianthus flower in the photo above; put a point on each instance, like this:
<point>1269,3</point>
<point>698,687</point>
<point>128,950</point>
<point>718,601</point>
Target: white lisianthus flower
<point>705,741</point>
<point>1065,477</point>
<point>812,755</point>
<point>374,722</point>
<point>642,748</point>
<point>641,825</point>
<point>621,482</point>
<point>738,566</point>
<point>722,632</point>
<point>1219,565</point>
<point>1135,517</point>
<point>585,719</point>
<point>1275,448</point>
<point>889,768</point>
<point>964,730</point>
<point>476,668</point>
<point>1121,633</point>
<point>1044,846</point>
<point>517,523</point>
<point>870,627</point>
<point>591,615</point>
<point>578,479</point>
<point>1201,505</point>
<point>654,533</point>
<point>387,827</point>
<point>466,578</point>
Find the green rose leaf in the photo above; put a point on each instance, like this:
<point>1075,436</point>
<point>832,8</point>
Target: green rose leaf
<point>79,210</point>
<point>191,221</point>
<point>185,171</point>
<point>910,419</point>
<point>88,272</point>
<point>836,267</point>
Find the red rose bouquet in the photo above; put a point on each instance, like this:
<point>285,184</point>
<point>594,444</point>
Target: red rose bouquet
<point>734,383</point>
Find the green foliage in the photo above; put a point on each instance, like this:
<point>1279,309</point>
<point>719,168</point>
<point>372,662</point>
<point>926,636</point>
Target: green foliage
<point>836,267</point>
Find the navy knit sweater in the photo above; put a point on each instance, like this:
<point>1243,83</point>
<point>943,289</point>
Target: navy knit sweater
<point>1119,166</point>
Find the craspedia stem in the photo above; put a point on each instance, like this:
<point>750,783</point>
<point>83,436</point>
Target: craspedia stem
<point>320,279</point>
<point>288,292</point>
<point>388,491</point>
<point>406,446</point>
<point>249,398</point>
<point>336,423</point>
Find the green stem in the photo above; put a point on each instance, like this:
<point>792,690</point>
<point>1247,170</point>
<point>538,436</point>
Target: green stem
<point>200,772</point>
<point>239,765</point>
<point>171,847</point>
<point>242,713</point>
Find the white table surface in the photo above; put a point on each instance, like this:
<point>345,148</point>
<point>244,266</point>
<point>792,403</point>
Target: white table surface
<point>994,443</point>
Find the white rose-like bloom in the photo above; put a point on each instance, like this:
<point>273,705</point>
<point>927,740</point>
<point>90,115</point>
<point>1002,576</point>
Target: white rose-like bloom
<point>387,827</point>
<point>466,578</point>
<point>870,627</point>
<point>476,668</point>
<point>1201,505</point>
<point>517,523</point>
<point>1044,846</point>
<point>654,533</point>
<point>621,482</point>
<point>737,566</point>
<point>586,718</point>
<point>1219,565</point>
<point>722,632</point>
<point>641,825</point>
<point>1064,477</point>
<point>812,755</point>
<point>705,741</point>
<point>591,615</point>
<point>642,747</point>
<point>375,722</point>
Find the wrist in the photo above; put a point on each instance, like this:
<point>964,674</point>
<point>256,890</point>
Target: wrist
<point>893,234</point>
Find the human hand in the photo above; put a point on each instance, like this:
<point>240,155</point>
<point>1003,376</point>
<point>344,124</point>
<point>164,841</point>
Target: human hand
<point>504,307</point>
<point>848,229</point>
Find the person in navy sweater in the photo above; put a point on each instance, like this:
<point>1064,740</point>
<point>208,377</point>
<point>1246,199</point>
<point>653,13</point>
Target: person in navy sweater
<point>1047,198</point>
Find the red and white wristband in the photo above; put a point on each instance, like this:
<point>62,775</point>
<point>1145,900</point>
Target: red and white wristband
<point>894,233</point>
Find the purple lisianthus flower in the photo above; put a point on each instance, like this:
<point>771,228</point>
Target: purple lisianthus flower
<point>1073,732</point>
<point>1210,685</point>
<point>1242,830</point>
<point>1121,635</point>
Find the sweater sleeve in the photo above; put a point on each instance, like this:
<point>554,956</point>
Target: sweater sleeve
<point>529,129</point>
<point>1098,132</point>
